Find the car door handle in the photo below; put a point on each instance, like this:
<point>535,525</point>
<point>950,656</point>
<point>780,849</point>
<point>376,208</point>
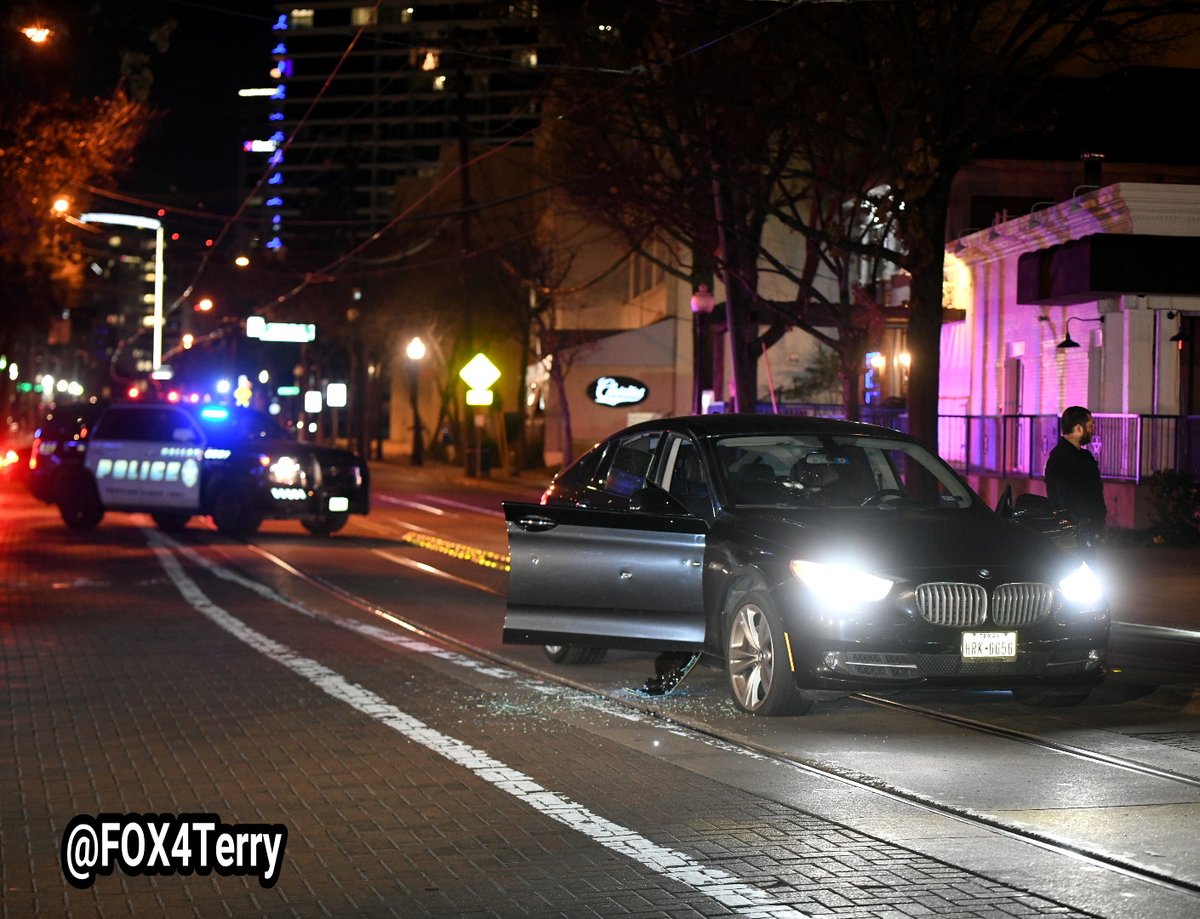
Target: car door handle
<point>536,524</point>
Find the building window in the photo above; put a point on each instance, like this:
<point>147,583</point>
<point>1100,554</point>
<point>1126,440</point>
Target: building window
<point>646,273</point>
<point>301,19</point>
<point>363,16</point>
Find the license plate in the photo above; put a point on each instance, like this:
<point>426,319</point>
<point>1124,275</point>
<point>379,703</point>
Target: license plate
<point>989,646</point>
<point>339,505</point>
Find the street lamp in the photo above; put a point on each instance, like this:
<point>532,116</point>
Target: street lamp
<point>416,353</point>
<point>143,223</point>
<point>1068,341</point>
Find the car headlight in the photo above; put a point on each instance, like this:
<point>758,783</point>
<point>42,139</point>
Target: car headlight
<point>286,471</point>
<point>1082,586</point>
<point>841,585</point>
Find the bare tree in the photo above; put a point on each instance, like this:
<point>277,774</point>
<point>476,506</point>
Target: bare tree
<point>719,116</point>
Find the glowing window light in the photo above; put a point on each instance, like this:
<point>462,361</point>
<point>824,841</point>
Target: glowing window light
<point>274,243</point>
<point>275,116</point>
<point>258,91</point>
<point>275,202</point>
<point>276,179</point>
<point>37,34</point>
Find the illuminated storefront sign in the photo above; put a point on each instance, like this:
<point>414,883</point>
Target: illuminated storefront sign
<point>615,391</point>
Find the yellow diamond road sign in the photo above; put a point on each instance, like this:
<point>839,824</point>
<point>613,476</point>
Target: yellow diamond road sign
<point>480,373</point>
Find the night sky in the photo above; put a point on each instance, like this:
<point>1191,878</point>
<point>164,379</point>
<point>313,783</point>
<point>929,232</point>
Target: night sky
<point>192,156</point>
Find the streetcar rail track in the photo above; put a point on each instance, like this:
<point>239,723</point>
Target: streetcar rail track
<point>1044,743</point>
<point>859,781</point>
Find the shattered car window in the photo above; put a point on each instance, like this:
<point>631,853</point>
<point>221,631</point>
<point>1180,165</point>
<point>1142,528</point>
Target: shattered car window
<point>835,471</point>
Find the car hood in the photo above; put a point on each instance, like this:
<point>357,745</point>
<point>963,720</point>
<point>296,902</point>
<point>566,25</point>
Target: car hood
<point>905,541</point>
<point>323,453</point>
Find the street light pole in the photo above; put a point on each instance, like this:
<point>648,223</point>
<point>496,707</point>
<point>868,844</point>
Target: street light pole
<point>702,307</point>
<point>416,353</point>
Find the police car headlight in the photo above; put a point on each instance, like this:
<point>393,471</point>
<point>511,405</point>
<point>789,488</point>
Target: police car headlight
<point>286,471</point>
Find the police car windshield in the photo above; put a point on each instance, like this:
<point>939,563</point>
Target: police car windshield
<point>226,427</point>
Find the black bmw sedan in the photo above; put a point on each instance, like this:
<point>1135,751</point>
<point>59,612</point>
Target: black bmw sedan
<point>810,557</point>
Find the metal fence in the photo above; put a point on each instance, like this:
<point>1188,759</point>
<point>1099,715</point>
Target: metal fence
<point>1128,447</point>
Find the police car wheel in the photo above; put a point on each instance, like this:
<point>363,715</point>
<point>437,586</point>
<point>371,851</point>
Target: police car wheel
<point>79,503</point>
<point>233,512</point>
<point>324,524</point>
<point>171,520</point>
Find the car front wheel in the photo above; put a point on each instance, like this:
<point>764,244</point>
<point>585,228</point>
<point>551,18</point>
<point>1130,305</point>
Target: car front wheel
<point>324,524</point>
<point>79,502</point>
<point>234,513</point>
<point>760,679</point>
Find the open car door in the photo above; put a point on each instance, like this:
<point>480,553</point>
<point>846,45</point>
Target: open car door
<point>604,579</point>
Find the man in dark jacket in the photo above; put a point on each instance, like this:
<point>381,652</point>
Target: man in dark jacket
<point>1073,477</point>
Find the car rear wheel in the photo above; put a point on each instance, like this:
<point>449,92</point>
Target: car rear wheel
<point>324,524</point>
<point>234,513</point>
<point>79,502</point>
<point>573,654</point>
<point>1041,697</point>
<point>760,679</point>
<point>170,520</point>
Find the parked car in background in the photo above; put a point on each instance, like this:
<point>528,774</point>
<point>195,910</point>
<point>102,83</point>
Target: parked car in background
<point>57,440</point>
<point>14,455</point>
<point>177,461</point>
<point>809,558</point>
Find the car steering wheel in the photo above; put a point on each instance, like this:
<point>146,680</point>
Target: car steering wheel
<point>880,496</point>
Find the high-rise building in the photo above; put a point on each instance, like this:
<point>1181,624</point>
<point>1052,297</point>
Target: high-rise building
<point>367,95</point>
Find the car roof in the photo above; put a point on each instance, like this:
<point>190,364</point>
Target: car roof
<point>725,425</point>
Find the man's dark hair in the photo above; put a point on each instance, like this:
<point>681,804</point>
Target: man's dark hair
<point>1072,416</point>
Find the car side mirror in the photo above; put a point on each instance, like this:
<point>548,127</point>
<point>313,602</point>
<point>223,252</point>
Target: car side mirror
<point>1029,505</point>
<point>650,499</point>
<point>1004,507</point>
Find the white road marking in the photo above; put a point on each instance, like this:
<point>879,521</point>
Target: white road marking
<point>463,505</point>
<point>427,508</point>
<point>736,895</point>
<point>436,572</point>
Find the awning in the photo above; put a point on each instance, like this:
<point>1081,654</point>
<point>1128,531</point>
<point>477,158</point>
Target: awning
<point>1106,265</point>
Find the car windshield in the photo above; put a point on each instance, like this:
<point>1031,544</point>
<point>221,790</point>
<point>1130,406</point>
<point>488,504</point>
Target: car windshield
<point>809,470</point>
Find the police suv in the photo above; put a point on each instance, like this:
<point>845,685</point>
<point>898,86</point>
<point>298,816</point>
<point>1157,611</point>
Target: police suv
<point>177,461</point>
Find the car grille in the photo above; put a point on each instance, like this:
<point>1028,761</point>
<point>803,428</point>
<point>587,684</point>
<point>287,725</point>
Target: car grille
<point>340,476</point>
<point>1021,604</point>
<point>960,605</point>
<point>947,603</point>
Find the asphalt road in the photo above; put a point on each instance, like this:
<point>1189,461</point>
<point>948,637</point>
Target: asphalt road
<point>288,683</point>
